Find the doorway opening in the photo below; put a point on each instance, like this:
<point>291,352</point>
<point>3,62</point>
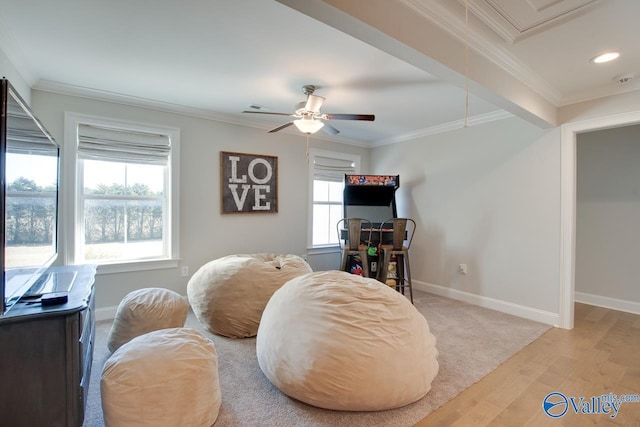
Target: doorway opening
<point>568,158</point>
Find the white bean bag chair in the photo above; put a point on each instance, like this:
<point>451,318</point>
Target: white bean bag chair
<point>145,310</point>
<point>164,378</point>
<point>229,294</point>
<point>344,342</point>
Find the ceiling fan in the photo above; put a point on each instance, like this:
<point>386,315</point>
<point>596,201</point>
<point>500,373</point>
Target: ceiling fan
<point>309,119</point>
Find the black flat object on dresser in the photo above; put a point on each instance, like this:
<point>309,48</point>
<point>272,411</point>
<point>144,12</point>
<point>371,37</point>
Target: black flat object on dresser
<point>46,354</point>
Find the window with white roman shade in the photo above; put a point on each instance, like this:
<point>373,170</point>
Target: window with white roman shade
<point>125,199</point>
<point>327,171</point>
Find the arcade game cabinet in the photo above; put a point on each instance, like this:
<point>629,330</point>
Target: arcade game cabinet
<point>371,197</point>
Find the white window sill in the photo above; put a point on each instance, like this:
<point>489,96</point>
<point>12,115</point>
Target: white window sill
<point>327,249</point>
<point>124,267</point>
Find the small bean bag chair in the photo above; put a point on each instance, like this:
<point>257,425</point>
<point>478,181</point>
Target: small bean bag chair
<point>344,342</point>
<point>229,294</point>
<point>163,378</point>
<point>145,310</point>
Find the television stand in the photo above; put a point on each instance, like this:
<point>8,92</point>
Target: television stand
<point>46,354</point>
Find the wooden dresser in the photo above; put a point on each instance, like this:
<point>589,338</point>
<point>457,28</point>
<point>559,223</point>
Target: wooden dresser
<point>46,355</point>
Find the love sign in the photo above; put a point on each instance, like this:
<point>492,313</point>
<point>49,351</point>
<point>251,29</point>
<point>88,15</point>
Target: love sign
<point>249,183</point>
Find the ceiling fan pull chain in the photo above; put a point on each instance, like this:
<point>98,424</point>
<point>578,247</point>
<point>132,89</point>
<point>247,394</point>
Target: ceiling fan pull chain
<point>466,63</point>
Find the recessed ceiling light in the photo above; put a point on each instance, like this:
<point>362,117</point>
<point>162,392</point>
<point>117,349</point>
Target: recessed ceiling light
<point>605,57</point>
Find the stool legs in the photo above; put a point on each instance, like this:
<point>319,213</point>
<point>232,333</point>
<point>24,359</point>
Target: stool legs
<point>402,262</point>
<point>406,281</point>
<point>365,263</point>
<point>383,267</point>
<point>343,263</point>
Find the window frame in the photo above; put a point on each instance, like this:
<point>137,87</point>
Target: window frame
<point>313,153</point>
<point>72,195</point>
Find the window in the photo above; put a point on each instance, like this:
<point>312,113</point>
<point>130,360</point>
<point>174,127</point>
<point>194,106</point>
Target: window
<point>125,199</point>
<point>327,177</point>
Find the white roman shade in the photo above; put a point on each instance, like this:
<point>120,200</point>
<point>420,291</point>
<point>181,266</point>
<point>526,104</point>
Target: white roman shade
<point>332,169</point>
<point>117,145</point>
<point>25,135</point>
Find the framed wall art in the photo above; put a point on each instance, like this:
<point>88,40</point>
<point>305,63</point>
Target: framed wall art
<point>249,183</point>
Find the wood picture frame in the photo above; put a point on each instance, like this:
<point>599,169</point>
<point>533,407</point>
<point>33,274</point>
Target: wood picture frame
<point>248,183</point>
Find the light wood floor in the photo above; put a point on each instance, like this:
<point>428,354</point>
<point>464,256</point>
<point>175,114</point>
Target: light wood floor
<point>600,355</point>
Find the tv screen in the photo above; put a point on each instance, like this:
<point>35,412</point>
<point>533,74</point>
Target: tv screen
<point>30,160</point>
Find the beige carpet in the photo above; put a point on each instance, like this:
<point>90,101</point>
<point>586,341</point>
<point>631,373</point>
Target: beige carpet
<point>472,342</point>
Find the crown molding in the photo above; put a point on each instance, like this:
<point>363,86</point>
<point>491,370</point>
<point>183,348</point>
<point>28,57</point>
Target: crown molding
<point>133,101</point>
<point>83,92</point>
<point>493,20</point>
<point>601,92</point>
<point>201,113</point>
<point>445,127</point>
<point>503,22</point>
<point>454,25</point>
<point>439,15</point>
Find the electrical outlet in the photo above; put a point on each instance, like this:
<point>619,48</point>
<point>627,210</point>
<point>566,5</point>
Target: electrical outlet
<point>463,268</point>
<point>185,271</point>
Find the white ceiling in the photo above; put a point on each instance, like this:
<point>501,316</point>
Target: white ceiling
<point>215,58</point>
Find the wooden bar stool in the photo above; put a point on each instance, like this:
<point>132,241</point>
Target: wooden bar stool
<point>403,231</point>
<point>354,244</point>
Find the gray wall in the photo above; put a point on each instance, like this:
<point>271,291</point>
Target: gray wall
<point>487,196</point>
<point>608,213</point>
<point>205,233</point>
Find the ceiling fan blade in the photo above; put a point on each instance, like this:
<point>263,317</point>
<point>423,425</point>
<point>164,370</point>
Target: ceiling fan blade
<point>266,112</point>
<point>367,117</point>
<point>286,125</point>
<point>329,130</point>
<point>314,102</point>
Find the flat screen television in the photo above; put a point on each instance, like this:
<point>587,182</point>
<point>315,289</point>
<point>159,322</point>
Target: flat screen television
<point>29,175</point>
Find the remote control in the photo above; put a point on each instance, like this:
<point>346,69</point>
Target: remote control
<point>54,298</point>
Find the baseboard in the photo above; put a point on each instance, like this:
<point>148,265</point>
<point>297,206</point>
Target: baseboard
<point>494,304</point>
<point>608,302</point>
<point>105,313</point>
<point>109,313</point>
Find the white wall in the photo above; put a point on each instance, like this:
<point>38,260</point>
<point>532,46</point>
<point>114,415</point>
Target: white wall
<point>608,209</point>
<point>10,72</point>
<point>622,104</point>
<point>205,233</point>
<point>486,196</point>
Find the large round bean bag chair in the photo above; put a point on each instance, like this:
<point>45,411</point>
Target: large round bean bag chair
<point>229,294</point>
<point>145,310</point>
<point>344,342</point>
<point>164,378</point>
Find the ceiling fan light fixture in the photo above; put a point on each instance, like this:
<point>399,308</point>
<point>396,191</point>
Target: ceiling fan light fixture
<point>308,125</point>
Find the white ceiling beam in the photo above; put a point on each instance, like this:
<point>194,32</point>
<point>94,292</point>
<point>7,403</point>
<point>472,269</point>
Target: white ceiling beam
<point>399,30</point>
